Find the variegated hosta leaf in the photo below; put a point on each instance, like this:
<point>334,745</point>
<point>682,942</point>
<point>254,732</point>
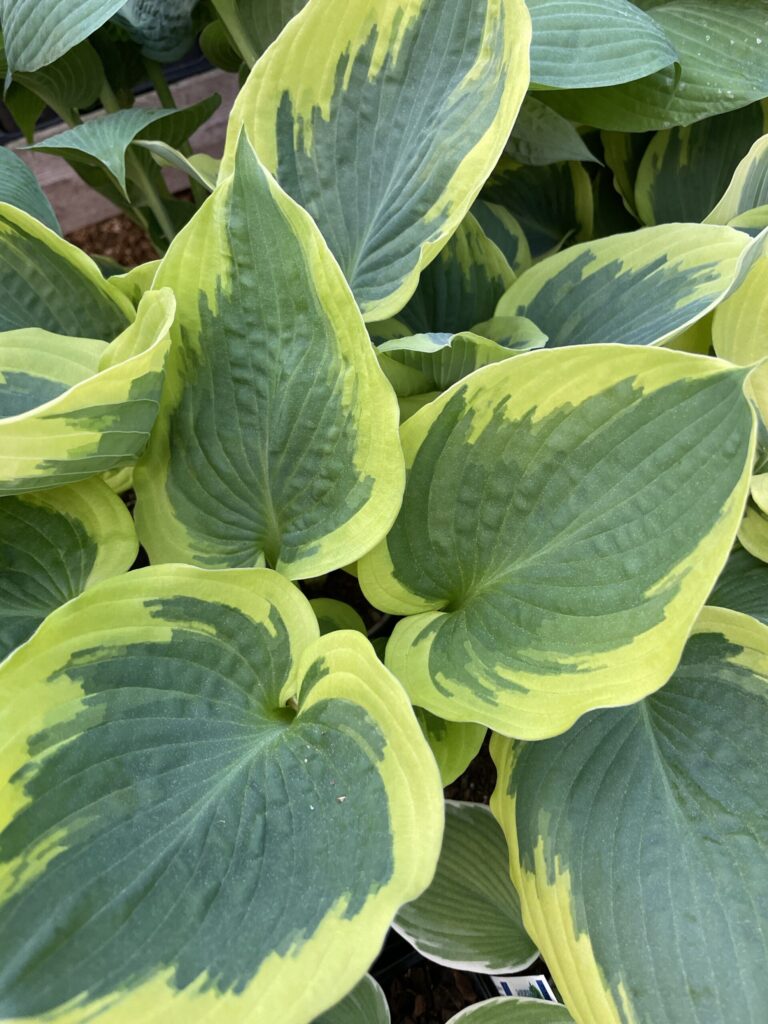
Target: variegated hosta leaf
<point>104,141</point>
<point>407,109</point>
<point>277,437</point>
<point>553,204</point>
<point>428,363</point>
<point>136,281</point>
<point>623,153</point>
<point>743,586</point>
<point>589,43</point>
<point>740,329</point>
<point>638,841</point>
<point>548,553</point>
<point>506,231</point>
<point>162,28</point>
<point>71,408</point>
<point>47,282</point>
<point>753,532</point>
<point>332,615</point>
<point>505,1010</point>
<point>460,287</point>
<point>54,544</point>
<point>36,32</point>
<point>748,188</point>
<point>541,136</point>
<point>722,66</point>
<point>365,1004</point>
<point>469,917</point>
<point>19,187</point>
<point>177,838</point>
<point>684,171</point>
<point>639,288</point>
<point>200,167</point>
<point>454,744</point>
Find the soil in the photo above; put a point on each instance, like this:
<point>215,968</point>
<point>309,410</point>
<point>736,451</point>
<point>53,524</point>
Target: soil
<point>418,991</point>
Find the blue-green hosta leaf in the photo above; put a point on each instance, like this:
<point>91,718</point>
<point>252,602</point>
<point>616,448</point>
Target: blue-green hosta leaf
<point>203,811</point>
<point>553,204</point>
<point>103,142</point>
<point>506,1010</point>
<point>548,554</point>
<point>590,43</point>
<point>71,408</point>
<point>365,1004</point>
<point>460,287</point>
<point>747,189</point>
<point>454,744</point>
<point>469,917</point>
<point>37,32</point>
<point>46,282</point>
<point>722,66</point>
<point>684,171</point>
<point>72,82</point>
<point>162,28</point>
<point>277,437</point>
<point>425,364</point>
<point>332,615</point>
<point>19,188</point>
<point>513,332</point>
<point>640,288</point>
<point>639,841</point>
<point>743,586</point>
<point>53,545</point>
<point>406,112</point>
<point>541,136</point>
<point>505,231</point>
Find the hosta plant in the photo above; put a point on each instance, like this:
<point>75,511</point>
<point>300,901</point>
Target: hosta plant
<point>442,415</point>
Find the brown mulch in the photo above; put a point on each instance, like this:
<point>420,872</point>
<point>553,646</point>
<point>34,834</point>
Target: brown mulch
<point>424,993</point>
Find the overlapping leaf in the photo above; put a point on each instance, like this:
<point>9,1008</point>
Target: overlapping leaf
<point>721,52</point>
<point>469,917</point>
<point>54,544</point>
<point>513,1011</point>
<point>743,586</point>
<point>46,282</point>
<point>541,136</point>
<point>638,841</point>
<point>547,554</point>
<point>365,1004</point>
<point>277,438</point>
<point>37,32</point>
<point>19,188</point>
<point>159,794</point>
<point>454,744</point>
<point>406,112</point>
<point>747,189</point>
<point>71,408</point>
<point>639,288</point>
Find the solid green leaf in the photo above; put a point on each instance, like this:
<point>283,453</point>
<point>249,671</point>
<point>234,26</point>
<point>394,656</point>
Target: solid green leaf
<point>365,1004</point>
<point>46,282</point>
<point>203,811</point>
<point>590,43</point>
<point>218,48</point>
<point>332,615</point>
<point>37,32</point>
<point>743,586</point>
<point>72,82</point>
<point>104,141</point>
<point>506,1010</point>
<point>164,29</point>
<point>469,917</point>
<point>684,171</point>
<point>460,287</point>
<point>406,112</point>
<point>548,555</point>
<point>553,204</point>
<point>454,744</point>
<point>262,21</point>
<point>19,187</point>
<point>722,66</point>
<point>277,437</point>
<point>71,408</point>
<point>638,841</point>
<point>541,136</point>
<point>53,545</point>
<point>639,288</point>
